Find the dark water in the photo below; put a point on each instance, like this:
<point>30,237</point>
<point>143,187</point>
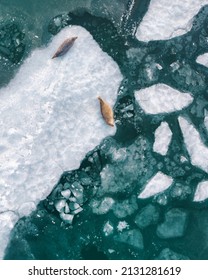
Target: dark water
<point>43,235</point>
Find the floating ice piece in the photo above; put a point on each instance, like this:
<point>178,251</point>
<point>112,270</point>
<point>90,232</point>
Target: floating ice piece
<point>103,206</point>
<point>66,193</point>
<point>148,215</point>
<point>197,150</point>
<point>50,117</point>
<point>122,225</point>
<point>201,192</point>
<point>60,205</point>
<point>163,136</point>
<point>165,19</point>
<point>108,228</point>
<point>203,59</point>
<point>68,218</point>
<point>174,224</point>
<point>125,208</point>
<point>167,254</point>
<point>161,98</point>
<point>131,237</point>
<point>158,183</point>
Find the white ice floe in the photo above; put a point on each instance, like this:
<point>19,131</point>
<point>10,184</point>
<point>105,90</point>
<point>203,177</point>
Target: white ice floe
<point>50,117</point>
<point>201,192</point>
<point>166,19</point>
<point>163,136</point>
<point>197,150</point>
<point>158,183</point>
<point>203,59</point>
<point>161,98</point>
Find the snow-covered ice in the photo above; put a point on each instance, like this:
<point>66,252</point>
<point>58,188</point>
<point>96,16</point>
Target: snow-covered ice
<point>163,136</point>
<point>161,98</point>
<point>203,59</point>
<point>195,147</point>
<point>158,183</point>
<point>201,192</point>
<point>50,117</point>
<point>166,19</point>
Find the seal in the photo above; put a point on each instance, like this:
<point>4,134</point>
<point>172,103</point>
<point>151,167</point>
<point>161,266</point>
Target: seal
<point>106,112</point>
<point>64,47</point>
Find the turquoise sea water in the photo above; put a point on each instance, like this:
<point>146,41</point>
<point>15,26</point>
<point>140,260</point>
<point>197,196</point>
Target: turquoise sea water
<point>167,226</point>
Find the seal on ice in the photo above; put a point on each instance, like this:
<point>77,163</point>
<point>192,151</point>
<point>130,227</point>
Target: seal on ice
<point>64,47</point>
<point>106,112</point>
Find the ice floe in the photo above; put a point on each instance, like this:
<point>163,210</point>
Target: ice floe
<point>201,192</point>
<point>166,19</point>
<point>161,98</point>
<point>158,183</point>
<point>197,150</point>
<point>163,136</point>
<point>50,118</point>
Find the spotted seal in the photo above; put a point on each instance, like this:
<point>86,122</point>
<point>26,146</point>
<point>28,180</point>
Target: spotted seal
<point>64,47</point>
<point>106,112</point>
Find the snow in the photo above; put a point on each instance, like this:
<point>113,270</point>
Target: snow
<point>163,136</point>
<point>166,19</point>
<point>158,183</point>
<point>50,118</point>
<point>161,98</point>
<point>197,150</point>
<point>201,192</point>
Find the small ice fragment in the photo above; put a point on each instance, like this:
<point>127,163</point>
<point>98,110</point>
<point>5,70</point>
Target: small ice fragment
<point>201,192</point>
<point>68,218</point>
<point>66,193</point>
<point>102,207</point>
<point>78,210</point>
<point>131,237</point>
<point>158,183</point>
<point>108,228</point>
<point>60,205</point>
<point>122,225</point>
<point>73,205</point>
<point>148,215</point>
<point>174,224</point>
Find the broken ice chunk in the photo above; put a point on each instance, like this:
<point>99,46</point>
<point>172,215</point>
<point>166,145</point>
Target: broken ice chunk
<point>174,224</point>
<point>73,205</point>
<point>108,228</point>
<point>161,98</point>
<point>103,206</point>
<point>125,208</point>
<point>194,144</point>
<point>201,192</point>
<point>68,218</point>
<point>148,215</point>
<point>158,183</point>
<point>66,193</point>
<point>77,191</point>
<point>122,225</point>
<point>60,205</point>
<point>163,136</point>
<point>131,237</point>
<point>167,254</point>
